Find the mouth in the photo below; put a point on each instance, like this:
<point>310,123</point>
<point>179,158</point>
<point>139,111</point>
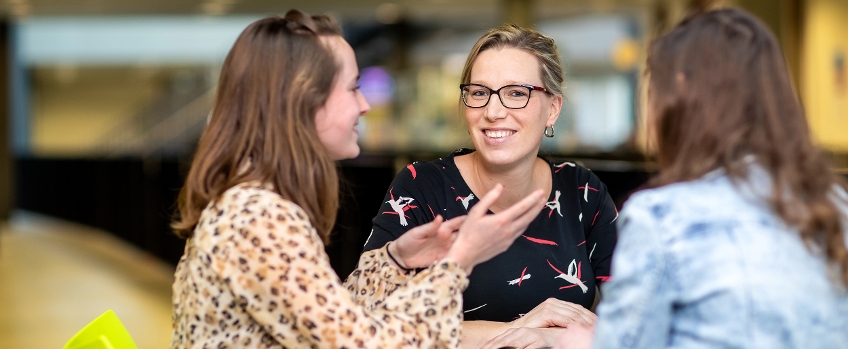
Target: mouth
<point>498,134</point>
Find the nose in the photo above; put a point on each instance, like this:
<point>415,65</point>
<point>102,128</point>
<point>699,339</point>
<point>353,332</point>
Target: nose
<point>495,109</point>
<point>364,107</point>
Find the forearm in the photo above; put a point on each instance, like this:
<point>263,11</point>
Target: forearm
<point>377,275</point>
<point>477,333</point>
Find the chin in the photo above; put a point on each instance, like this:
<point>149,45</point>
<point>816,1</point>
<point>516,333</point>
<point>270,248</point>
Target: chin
<point>499,157</point>
<point>349,154</point>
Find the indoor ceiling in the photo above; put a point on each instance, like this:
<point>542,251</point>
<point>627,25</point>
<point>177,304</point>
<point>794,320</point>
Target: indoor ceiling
<point>416,10</point>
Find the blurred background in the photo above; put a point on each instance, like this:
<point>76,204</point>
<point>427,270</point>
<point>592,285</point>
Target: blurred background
<point>102,103</point>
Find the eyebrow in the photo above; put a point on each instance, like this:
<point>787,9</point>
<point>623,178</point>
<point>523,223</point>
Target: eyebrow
<point>509,82</point>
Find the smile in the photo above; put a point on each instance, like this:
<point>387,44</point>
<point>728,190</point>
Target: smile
<point>498,133</point>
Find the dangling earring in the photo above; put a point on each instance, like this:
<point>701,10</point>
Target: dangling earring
<point>551,134</point>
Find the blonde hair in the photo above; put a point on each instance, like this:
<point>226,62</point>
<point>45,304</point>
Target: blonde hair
<point>525,39</point>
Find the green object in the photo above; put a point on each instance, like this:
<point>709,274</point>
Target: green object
<point>105,332</point>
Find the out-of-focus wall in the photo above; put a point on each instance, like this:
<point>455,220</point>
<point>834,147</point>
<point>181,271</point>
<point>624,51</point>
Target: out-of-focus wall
<point>824,71</point>
<point>5,122</point>
<point>76,108</point>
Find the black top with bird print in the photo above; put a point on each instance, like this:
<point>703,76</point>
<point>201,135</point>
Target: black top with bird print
<point>564,253</point>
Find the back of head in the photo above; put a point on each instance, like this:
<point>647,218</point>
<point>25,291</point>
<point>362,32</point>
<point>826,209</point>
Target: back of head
<point>719,90</point>
<point>262,127</point>
<point>528,40</point>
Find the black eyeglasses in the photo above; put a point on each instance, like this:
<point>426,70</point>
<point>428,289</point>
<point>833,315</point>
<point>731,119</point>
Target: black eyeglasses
<point>511,96</point>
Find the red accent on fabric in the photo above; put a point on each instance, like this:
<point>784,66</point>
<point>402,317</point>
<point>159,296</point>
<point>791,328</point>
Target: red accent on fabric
<point>580,244</point>
<point>411,169</point>
<point>541,241</point>
<point>522,276</point>
<point>593,219</point>
<point>555,269</point>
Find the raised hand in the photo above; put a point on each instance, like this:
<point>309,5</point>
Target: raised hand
<point>427,243</point>
<point>483,236</point>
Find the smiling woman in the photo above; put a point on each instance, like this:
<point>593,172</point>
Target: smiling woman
<point>548,278</point>
<point>261,198</point>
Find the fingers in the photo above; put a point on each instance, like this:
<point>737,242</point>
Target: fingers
<point>531,205</point>
<point>486,202</point>
<point>521,214</point>
<point>453,224</point>
<point>425,230</point>
<point>580,314</point>
<point>556,313</point>
<point>521,338</point>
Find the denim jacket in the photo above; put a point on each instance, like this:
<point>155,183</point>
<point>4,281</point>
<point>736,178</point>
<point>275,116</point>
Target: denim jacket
<point>707,264</point>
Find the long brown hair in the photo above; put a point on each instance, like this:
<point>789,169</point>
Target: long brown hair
<point>262,127</point>
<point>719,90</point>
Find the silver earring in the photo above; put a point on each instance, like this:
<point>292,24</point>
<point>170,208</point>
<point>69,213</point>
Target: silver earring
<point>551,134</point>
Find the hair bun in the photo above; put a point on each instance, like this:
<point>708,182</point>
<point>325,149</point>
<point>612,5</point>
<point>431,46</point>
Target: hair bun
<point>298,22</point>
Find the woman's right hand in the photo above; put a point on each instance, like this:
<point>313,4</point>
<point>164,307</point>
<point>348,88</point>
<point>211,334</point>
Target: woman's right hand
<point>483,236</point>
<point>555,313</point>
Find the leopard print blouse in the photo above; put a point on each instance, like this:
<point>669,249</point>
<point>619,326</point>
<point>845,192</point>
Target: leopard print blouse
<point>255,275</point>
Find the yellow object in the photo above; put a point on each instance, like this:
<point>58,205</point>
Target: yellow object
<point>105,332</point>
<point>625,54</point>
<point>823,84</point>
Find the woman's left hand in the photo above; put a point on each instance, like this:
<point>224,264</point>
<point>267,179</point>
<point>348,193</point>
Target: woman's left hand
<point>577,336</point>
<point>421,246</point>
<point>525,338</point>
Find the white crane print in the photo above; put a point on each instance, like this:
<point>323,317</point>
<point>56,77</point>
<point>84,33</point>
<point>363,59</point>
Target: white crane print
<point>465,200</point>
<point>398,206</point>
<point>554,205</point>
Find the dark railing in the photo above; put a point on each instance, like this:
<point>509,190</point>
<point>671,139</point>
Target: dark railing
<point>135,198</point>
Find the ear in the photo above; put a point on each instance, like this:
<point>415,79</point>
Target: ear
<point>556,107</point>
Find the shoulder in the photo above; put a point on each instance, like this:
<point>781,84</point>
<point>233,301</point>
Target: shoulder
<point>247,209</point>
<point>425,173</point>
<point>254,199</point>
<point>679,206</point>
<point>422,169</point>
<point>573,171</point>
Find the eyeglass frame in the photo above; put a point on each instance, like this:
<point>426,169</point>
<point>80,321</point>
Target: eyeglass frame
<point>529,87</point>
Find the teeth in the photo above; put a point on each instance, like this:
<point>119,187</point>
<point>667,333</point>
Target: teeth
<point>498,134</point>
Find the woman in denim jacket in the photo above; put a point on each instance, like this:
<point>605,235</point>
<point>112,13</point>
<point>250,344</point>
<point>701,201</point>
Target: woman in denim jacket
<point>741,243</point>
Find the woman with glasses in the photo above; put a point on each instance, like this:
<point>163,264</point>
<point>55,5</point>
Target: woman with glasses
<point>512,95</point>
<point>261,198</point>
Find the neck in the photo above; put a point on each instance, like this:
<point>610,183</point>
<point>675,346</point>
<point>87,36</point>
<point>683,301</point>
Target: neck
<point>519,179</point>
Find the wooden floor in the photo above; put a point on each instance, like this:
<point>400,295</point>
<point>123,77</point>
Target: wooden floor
<point>56,276</point>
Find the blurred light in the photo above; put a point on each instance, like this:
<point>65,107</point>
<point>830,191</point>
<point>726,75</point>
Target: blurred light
<point>453,63</point>
<point>124,40</point>
<point>376,85</point>
<point>388,13</point>
<point>215,8</point>
<point>20,10</point>
<point>66,74</point>
<point>625,54</point>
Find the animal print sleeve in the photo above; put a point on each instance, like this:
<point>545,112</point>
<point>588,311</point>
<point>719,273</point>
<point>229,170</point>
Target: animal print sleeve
<point>375,278</point>
<point>277,269</point>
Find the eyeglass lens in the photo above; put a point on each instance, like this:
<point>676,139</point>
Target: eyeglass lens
<point>511,96</point>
